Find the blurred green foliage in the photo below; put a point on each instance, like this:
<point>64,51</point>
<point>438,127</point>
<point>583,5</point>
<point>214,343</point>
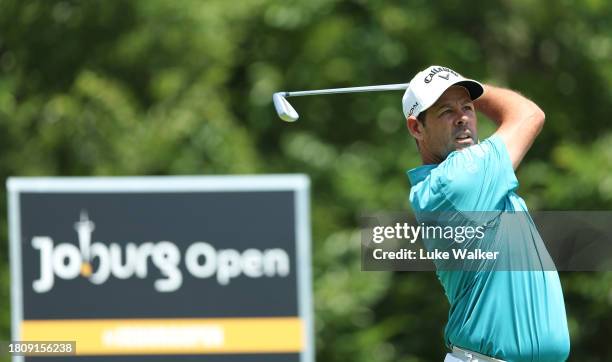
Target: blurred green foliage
<point>160,87</point>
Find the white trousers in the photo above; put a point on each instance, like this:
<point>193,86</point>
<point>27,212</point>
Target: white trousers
<point>451,358</point>
<point>461,355</point>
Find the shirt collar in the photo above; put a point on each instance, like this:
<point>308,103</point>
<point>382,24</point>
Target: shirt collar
<point>419,174</point>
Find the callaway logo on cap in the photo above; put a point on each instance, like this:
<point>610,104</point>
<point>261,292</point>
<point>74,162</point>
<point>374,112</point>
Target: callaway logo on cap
<point>428,85</point>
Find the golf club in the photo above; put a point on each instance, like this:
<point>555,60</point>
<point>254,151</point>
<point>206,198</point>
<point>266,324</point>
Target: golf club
<point>287,113</point>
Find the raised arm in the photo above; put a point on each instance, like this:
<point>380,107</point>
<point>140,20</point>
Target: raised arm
<point>519,119</point>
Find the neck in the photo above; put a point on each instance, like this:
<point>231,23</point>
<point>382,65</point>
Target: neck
<point>428,158</point>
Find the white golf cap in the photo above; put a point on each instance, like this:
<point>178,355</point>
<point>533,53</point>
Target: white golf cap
<point>429,84</point>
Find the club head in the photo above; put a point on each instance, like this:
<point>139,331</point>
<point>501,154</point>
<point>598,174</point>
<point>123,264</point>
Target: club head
<point>283,108</point>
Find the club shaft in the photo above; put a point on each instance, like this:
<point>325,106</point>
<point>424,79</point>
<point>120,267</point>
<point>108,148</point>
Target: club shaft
<point>373,88</point>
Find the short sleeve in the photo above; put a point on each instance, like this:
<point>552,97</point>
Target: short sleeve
<point>477,178</point>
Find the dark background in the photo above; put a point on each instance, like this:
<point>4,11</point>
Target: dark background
<point>223,220</point>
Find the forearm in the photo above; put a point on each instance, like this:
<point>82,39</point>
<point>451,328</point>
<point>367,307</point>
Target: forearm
<point>519,120</point>
<point>505,106</point>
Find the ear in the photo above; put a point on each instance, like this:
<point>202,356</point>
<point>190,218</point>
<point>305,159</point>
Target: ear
<point>415,127</point>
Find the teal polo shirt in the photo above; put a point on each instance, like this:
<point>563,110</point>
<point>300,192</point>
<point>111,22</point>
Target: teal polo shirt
<point>514,315</point>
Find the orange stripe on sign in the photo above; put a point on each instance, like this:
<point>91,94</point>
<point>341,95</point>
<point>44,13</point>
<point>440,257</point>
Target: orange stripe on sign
<point>171,336</point>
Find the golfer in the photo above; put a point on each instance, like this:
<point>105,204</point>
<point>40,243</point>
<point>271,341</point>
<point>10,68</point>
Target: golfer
<point>494,315</point>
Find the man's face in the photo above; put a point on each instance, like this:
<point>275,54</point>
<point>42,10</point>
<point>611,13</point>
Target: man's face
<point>450,124</point>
